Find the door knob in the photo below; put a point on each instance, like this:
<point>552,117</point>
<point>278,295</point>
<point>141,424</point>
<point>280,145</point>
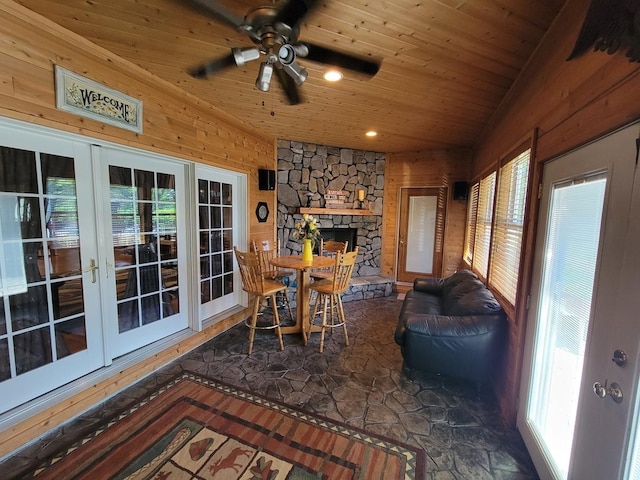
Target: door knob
<point>600,390</point>
<point>614,391</point>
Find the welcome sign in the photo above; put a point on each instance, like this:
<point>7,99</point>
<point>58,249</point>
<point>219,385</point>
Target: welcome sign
<point>85,97</point>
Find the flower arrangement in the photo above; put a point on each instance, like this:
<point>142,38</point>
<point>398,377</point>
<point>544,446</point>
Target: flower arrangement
<point>307,228</point>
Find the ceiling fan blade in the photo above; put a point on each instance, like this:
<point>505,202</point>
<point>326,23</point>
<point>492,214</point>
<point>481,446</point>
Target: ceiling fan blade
<point>289,86</point>
<point>214,66</point>
<point>214,9</point>
<point>342,60</point>
<point>292,12</point>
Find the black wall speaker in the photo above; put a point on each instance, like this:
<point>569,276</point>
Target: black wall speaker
<point>460,190</point>
<point>266,179</point>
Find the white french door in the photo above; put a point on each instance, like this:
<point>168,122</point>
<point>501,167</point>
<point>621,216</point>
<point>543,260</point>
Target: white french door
<point>50,318</point>
<point>96,256</point>
<point>59,292</point>
<point>143,204</point>
<point>219,229</point>
<point>571,417</point>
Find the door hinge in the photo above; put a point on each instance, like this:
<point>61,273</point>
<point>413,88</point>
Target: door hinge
<point>528,302</point>
<point>539,191</point>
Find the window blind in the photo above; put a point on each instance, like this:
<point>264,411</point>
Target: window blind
<point>508,226</point>
<point>470,229</point>
<point>482,240</point>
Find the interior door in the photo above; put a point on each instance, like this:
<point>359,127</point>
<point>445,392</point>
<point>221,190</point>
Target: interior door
<point>50,320</point>
<point>575,321</point>
<point>422,217</point>
<point>143,200</point>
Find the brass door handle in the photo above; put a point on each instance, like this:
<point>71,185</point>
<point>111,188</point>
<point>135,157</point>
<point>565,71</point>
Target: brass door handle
<point>92,268</point>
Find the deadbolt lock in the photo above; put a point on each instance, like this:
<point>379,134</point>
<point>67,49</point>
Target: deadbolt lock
<point>619,358</point>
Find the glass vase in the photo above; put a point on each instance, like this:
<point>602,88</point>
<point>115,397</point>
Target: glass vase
<point>307,250</point>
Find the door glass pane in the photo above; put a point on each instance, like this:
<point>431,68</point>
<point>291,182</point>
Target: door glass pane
<point>564,313</point>
<point>216,239</point>
<point>41,295</point>
<point>144,229</point>
<point>421,233</point>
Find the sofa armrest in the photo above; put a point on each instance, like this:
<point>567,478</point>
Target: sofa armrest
<point>466,347</point>
<point>429,285</point>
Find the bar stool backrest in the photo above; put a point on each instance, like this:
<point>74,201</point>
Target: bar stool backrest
<point>331,247</point>
<point>266,251</point>
<point>342,270</point>
<point>250,265</point>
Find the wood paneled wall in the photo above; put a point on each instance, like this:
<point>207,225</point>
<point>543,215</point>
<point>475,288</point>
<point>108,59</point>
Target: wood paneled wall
<point>568,104</point>
<point>432,168</point>
<point>175,124</point>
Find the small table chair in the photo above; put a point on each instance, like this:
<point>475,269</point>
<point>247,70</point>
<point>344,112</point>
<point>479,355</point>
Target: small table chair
<point>329,291</point>
<point>255,283</point>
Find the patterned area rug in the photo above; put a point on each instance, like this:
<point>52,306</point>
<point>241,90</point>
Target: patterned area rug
<point>195,428</point>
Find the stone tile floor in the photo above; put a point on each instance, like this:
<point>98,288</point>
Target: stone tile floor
<point>459,429</point>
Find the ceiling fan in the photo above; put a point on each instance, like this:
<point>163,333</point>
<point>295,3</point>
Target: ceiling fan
<point>274,30</point>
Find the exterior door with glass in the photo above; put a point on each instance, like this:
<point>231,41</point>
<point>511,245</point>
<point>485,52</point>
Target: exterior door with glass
<point>50,318</point>
<point>143,200</point>
<point>576,319</point>
<point>219,229</point>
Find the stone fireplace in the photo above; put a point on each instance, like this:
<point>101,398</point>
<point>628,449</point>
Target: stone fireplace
<point>307,171</point>
<point>349,235</point>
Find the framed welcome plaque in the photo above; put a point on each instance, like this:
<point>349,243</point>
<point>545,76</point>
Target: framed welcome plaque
<point>90,99</point>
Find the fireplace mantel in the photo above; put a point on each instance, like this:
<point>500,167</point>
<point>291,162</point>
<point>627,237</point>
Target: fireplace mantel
<point>336,211</point>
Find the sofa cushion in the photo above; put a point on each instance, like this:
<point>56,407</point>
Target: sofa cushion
<point>456,279</point>
<point>454,294</point>
<point>420,302</point>
<point>479,301</point>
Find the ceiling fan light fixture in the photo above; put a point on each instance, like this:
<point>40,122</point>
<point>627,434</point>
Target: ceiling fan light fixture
<point>296,72</point>
<point>244,55</point>
<point>333,75</point>
<point>286,54</point>
<point>264,76</point>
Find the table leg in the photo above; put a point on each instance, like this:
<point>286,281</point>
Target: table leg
<point>302,305</point>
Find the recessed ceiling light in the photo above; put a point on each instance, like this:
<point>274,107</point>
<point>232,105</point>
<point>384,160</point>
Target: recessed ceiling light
<point>371,133</point>
<point>333,76</point>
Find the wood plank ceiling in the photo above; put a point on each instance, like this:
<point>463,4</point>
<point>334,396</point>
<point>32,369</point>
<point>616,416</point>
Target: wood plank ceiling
<point>446,64</point>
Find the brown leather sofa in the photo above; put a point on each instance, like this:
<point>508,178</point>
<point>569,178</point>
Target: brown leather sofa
<point>452,326</point>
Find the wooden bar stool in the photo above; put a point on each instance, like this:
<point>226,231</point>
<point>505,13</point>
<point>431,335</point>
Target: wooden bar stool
<point>329,291</point>
<point>328,249</point>
<point>267,253</point>
<point>260,288</point>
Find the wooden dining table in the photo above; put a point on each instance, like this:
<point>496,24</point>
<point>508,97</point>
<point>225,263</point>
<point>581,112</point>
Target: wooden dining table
<point>303,269</point>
